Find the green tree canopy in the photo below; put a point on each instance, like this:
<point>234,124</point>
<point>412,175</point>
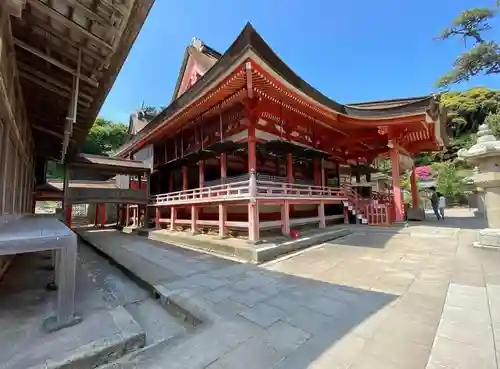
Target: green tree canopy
<point>467,110</point>
<point>484,55</point>
<point>104,137</point>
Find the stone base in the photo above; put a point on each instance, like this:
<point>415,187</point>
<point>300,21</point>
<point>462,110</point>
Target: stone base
<point>415,214</point>
<point>489,238</point>
<point>51,324</point>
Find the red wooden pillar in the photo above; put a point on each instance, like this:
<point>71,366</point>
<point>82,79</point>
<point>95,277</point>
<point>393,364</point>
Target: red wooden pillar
<point>184,178</point>
<point>69,215</point>
<point>157,218</point>
<point>222,206</point>
<point>397,196</point>
<point>253,208</point>
<point>103,214</point>
<point>289,175</point>
<point>414,189</point>
<point>173,218</point>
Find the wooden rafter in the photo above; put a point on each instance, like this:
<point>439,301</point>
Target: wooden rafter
<point>54,81</point>
<point>51,88</point>
<point>53,61</point>
<point>47,10</point>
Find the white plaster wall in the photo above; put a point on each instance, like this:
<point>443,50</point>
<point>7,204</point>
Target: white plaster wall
<point>146,155</point>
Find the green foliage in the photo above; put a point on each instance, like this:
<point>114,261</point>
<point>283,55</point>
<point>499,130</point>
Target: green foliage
<point>468,109</point>
<point>55,170</point>
<point>449,183</point>
<point>483,57</point>
<point>493,121</point>
<point>104,137</point>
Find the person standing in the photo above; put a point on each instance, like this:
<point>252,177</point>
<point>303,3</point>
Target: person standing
<point>442,204</point>
<point>435,203</point>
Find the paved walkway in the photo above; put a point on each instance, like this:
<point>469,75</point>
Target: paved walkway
<point>371,300</point>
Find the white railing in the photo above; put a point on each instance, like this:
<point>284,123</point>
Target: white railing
<point>234,190</point>
<point>243,190</point>
<point>273,189</point>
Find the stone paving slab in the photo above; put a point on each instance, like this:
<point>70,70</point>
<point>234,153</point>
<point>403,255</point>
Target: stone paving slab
<point>464,338</point>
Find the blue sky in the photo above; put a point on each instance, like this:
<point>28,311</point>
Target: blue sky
<point>351,51</point>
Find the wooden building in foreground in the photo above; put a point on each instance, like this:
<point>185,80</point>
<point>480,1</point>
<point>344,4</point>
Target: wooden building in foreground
<point>247,144</point>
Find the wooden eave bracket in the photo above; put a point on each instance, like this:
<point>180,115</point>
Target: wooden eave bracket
<point>15,7</point>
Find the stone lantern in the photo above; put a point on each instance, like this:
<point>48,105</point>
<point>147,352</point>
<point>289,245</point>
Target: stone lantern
<point>485,155</point>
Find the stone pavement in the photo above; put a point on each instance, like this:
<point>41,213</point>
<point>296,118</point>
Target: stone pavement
<point>374,299</point>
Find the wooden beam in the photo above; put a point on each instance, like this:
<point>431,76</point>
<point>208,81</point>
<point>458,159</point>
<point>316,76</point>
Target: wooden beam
<point>53,61</point>
<point>47,10</point>
<point>67,40</point>
<point>48,131</point>
<point>353,138</point>
<point>51,88</point>
<point>77,5</point>
<point>54,81</point>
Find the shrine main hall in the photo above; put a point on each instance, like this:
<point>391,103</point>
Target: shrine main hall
<point>248,146</point>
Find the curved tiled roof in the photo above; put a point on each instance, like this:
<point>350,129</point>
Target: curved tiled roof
<point>249,39</point>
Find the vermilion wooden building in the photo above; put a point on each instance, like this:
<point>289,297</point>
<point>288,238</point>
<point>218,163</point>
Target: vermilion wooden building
<point>247,144</point>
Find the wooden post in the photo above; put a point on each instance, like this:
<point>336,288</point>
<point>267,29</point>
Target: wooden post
<point>285,217</point>
<point>346,215</point>
<point>414,189</point>
<point>194,219</point>
<point>184,178</point>
<point>398,199</point>
<point>321,214</point>
<point>289,175</point>
<point>157,218</point>
<point>148,194</point>
<point>223,167</point>
<point>173,217</point>
<point>66,205</point>
<point>201,165</point>
<point>69,215</point>
<point>127,215</point>
<point>253,221</point>
<point>316,172</point>
<point>323,177</point>
<point>289,168</point>
<point>222,220</point>
<point>96,215</point>
<point>103,214</point>
<point>223,207</point>
<point>253,210</point>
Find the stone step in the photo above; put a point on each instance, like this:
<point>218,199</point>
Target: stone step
<point>99,339</point>
<point>119,290</point>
